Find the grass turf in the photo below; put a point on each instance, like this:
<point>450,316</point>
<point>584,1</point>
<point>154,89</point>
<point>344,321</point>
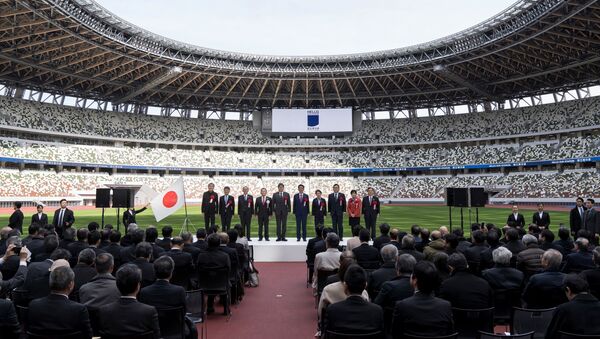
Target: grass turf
<point>401,217</point>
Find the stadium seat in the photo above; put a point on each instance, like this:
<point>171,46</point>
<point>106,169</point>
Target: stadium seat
<point>468,322</point>
<point>172,322</point>
<point>526,320</point>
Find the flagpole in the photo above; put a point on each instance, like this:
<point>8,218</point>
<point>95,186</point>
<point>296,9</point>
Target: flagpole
<point>186,221</point>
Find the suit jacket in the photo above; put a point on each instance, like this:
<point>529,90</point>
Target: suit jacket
<point>245,205</point>
<point>504,278</point>
<point>36,281</point>
<point>162,294</point>
<point>35,246</point>
<point>319,207</point>
<point>213,259</point>
<point>310,250</point>
<point>17,280</point>
<point>15,221</point>
<point>282,203</point>
<point>578,261</point>
<point>184,267</point>
<point>201,245</point>
<point>100,291</point>
<point>75,247</point>
<point>165,243</point>
<point>56,314</point>
<point>8,319</point>
<point>399,288</point>
<point>545,290</point>
<point>127,316</point>
<point>129,216</point>
<point>579,316</point>
<point>83,274</point>
<point>43,221</point>
<point>115,250</point>
<point>301,207</point>
<point>226,207</point>
<point>591,221</point>
<point>233,259</point>
<point>519,222</point>
<point>354,315</point>
<point>68,218</point>
<point>366,252</point>
<point>263,209</point>
<point>543,221</point>
<point>377,278</point>
<point>424,315</point>
<point>593,278</point>
<point>371,209</point>
<point>338,206</point>
<point>210,202</point>
<point>466,290</point>
<point>381,241</point>
<point>148,276</point>
<point>575,219</point>
<point>192,250</point>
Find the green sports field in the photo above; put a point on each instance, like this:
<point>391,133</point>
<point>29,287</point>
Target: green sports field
<point>401,217</point>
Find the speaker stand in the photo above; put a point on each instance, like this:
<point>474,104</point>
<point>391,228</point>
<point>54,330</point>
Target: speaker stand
<point>187,225</point>
<point>102,217</point>
<point>462,225</point>
<point>477,215</point>
<point>450,217</point>
<point>118,221</point>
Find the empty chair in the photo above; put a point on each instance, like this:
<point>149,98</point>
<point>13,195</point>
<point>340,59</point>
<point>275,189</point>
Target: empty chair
<point>468,322</point>
<point>336,335</point>
<point>485,335</point>
<point>526,320</point>
<point>194,303</point>
<point>504,302</point>
<point>215,282</point>
<point>171,322</point>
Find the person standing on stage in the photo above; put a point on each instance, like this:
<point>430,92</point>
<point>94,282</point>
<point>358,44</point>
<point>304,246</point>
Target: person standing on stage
<point>370,210</point>
<point>210,206</point>
<point>541,218</point>
<point>319,209</point>
<point>516,219</point>
<point>245,211</point>
<point>129,215</point>
<point>576,216</point>
<point>263,209</point>
<point>301,212</point>
<point>40,217</point>
<point>337,206</point>
<point>226,208</point>
<point>281,206</point>
<point>354,209</point>
<point>63,218</point>
<point>16,218</point>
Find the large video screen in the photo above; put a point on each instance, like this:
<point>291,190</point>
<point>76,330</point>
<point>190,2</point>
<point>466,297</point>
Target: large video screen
<point>312,120</point>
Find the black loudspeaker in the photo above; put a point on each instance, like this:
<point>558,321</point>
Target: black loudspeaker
<point>478,197</point>
<point>103,197</point>
<point>122,198</point>
<point>461,197</point>
<point>449,196</point>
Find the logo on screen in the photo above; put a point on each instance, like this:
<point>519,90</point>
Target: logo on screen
<point>312,118</point>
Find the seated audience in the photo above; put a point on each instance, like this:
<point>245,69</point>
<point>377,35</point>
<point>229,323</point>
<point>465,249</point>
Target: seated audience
<point>84,270</point>
<point>578,316</point>
<point>366,255</point>
<point>486,259</point>
<point>545,289</point>
<point>143,253</point>
<point>55,314</point>
<point>77,246</point>
<point>127,316</point>
<point>423,314</point>
<point>502,276</point>
<point>512,242</point>
<point>396,237</point>
<point>384,238</point>
<point>200,242</point>
<point>463,289</point>
<point>355,240</point>
<point>50,243</point>
<point>592,276</point>
<point>151,238</point>
<point>564,239</point>
<point>114,247</point>
<point>547,242</point>
<point>94,238</point>
<point>529,260</point>
<point>163,294</point>
<point>135,236</point>
<point>473,252</point>
<point>386,272</point>
<point>354,315</point>
<point>102,289</point>
<point>165,242</point>
<point>408,247</point>
<point>328,260</point>
<point>399,288</point>
<point>581,259</point>
<point>38,273</point>
<point>188,247</point>
<point>213,259</point>
<point>437,244</point>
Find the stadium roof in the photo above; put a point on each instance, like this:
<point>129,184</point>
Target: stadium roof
<point>78,48</point>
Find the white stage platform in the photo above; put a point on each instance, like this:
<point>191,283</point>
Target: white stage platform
<point>281,251</point>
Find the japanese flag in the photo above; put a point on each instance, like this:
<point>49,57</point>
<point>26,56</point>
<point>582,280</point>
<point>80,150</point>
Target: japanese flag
<point>169,201</point>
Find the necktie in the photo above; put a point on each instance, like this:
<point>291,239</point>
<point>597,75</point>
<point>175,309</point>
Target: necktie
<point>245,197</point>
<point>300,197</point>
<point>60,217</point>
<point>281,194</point>
<point>370,200</point>
<point>581,212</point>
<point>264,200</point>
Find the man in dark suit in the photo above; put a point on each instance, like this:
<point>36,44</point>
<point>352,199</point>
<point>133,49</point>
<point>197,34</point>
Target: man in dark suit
<point>128,253</point>
<point>501,276</point>
<point>385,273</point>
<point>541,218</point>
<point>189,247</point>
<point>165,242</point>
<point>336,205</point>
<point>408,247</point>
<point>354,315</point>
<point>114,248</point>
<point>463,289</point>
<point>8,319</point>
<point>578,316</point>
<point>210,206</point>
<point>370,210</point>
<point>592,276</point>
<point>384,237</point>
<point>581,259</point>
<point>200,242</point>
<point>36,281</point>
<point>102,289</point>
<point>264,209</point>
<point>486,259</point>
<point>143,252</point>
<point>319,208</point>
<point>591,219</point>
<point>233,256</point>
<point>17,280</point>
<point>576,216</point>
<point>128,317</point>
<point>184,267</point>
<point>545,289</point>
<point>15,221</point>
<point>423,314</point>
<point>84,270</point>
<point>513,243</point>
<point>34,242</point>
<point>94,238</point>
<point>399,288</point>
<point>281,206</point>
<point>55,314</point>
<point>226,208</point>
<point>63,218</point>
<point>129,215</point>
<point>211,260</point>
<point>245,211</point>
<point>301,211</point>
<point>162,294</point>
<point>515,219</point>
<point>366,255</point>
<point>151,238</point>
<point>50,243</point>
<point>40,217</point>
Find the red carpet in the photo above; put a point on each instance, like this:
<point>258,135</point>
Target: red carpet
<point>280,307</point>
